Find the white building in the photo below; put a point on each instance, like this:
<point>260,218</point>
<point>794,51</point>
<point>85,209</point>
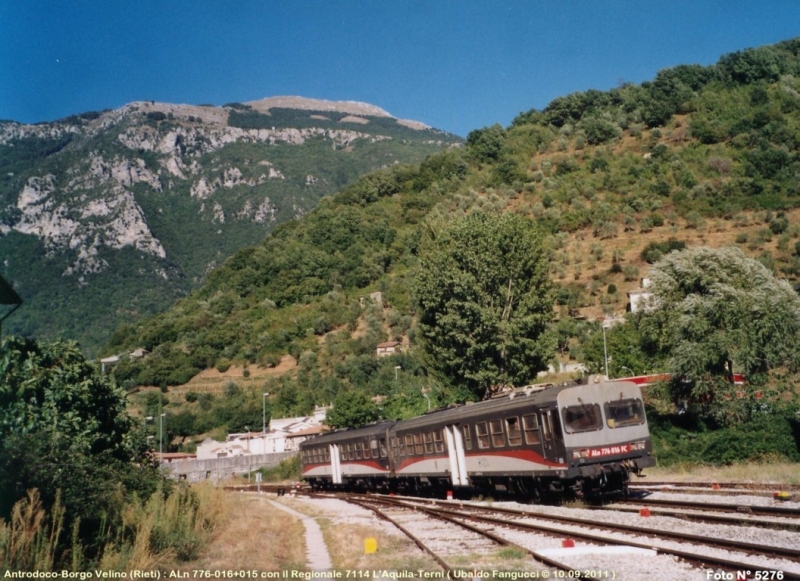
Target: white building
<point>638,297</point>
<point>282,435</point>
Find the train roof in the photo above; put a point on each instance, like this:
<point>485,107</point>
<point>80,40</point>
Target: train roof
<point>521,398</point>
<point>350,433</point>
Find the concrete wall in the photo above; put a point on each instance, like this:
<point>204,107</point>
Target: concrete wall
<point>221,468</point>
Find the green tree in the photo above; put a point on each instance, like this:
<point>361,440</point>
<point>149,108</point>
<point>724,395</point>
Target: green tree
<point>352,409</point>
<point>487,144</point>
<point>485,302</point>
<point>64,426</point>
<point>716,312</point>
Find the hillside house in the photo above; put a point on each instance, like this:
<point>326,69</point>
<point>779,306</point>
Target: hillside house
<point>637,298</point>
<point>388,348</point>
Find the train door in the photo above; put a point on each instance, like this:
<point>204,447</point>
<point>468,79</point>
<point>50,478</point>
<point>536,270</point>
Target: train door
<point>455,450</point>
<point>336,464</point>
<point>553,440</point>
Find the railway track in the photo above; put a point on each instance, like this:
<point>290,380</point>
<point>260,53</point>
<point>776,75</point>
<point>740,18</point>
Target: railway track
<point>719,488</point>
<point>758,510</point>
<point>699,514</point>
<point>381,506</point>
<point>742,556</point>
<point>494,523</point>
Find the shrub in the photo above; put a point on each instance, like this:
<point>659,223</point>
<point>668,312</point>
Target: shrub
<point>630,272</point>
<point>653,252</point>
<point>685,439</point>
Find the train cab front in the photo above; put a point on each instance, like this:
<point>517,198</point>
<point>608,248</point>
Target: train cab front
<point>606,436</point>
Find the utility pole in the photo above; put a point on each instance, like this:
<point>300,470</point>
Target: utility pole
<point>161,439</point>
<point>264,414</point>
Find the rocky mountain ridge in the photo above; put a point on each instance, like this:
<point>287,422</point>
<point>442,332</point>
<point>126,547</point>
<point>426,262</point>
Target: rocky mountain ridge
<point>181,186</point>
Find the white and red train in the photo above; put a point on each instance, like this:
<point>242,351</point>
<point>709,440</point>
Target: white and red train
<point>538,441</point>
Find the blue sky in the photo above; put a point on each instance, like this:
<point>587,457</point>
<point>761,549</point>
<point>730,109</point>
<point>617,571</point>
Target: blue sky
<point>454,64</point>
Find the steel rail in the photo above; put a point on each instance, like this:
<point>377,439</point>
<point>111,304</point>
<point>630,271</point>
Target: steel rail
<point>720,561</point>
<point>550,562</point>
<point>717,506</point>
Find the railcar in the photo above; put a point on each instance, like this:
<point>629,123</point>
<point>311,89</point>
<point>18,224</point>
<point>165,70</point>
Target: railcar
<point>582,439</point>
<point>351,458</point>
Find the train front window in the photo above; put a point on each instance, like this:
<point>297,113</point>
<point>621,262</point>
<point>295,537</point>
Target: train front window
<point>482,433</point>
<point>582,418</point>
<point>624,412</point>
<point>530,425</point>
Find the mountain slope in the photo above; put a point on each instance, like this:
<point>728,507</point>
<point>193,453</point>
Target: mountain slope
<point>702,155</point>
<point>106,217</point>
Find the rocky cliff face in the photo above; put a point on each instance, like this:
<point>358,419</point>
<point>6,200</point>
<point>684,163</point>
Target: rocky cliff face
<point>178,186</point>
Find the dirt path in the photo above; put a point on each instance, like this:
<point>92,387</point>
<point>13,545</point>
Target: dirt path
<point>317,554</point>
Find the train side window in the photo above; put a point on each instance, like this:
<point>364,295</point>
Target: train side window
<point>498,437</point>
<point>418,444</point>
<point>438,443</point>
<point>513,431</point>
<point>347,449</point>
<point>467,437</point>
<point>357,450</point>
<point>326,454</point>
<point>382,444</point>
<point>427,437</point>
<point>582,418</point>
<point>548,434</point>
<point>409,445</point>
<point>373,445</point>
<point>365,446</point>
<point>482,434</point>
<point>624,412</point>
<point>401,446</point>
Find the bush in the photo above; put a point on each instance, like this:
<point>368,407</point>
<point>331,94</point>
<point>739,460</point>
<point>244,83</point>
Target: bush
<point>685,439</point>
<point>630,272</point>
<point>653,252</point>
<point>288,469</point>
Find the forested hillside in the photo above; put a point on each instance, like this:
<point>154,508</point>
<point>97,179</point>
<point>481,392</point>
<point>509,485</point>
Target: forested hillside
<point>700,156</point>
<point>108,217</point>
